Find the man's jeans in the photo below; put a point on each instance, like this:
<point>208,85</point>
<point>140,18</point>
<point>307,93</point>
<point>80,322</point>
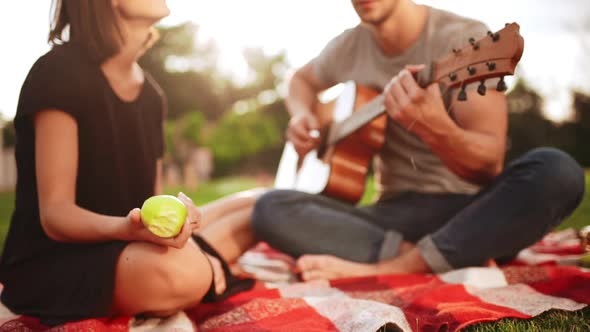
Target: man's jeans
<point>532,196</point>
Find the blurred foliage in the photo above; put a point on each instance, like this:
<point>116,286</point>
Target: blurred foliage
<point>8,134</point>
<point>169,133</point>
<point>185,68</point>
<point>241,135</point>
<point>192,125</point>
<point>528,128</point>
<point>210,109</point>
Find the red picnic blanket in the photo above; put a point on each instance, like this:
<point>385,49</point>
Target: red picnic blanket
<point>540,279</point>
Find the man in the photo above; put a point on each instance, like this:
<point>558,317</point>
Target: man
<point>445,200</point>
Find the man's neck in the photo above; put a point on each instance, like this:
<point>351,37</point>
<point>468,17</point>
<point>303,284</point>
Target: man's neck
<point>402,29</point>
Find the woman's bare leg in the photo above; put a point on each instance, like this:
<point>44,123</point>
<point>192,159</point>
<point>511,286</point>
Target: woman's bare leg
<point>227,223</point>
<point>214,211</point>
<point>160,280</point>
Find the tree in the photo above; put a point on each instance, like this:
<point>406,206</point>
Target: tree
<point>580,150</point>
<point>186,69</point>
<point>241,137</point>
<point>206,108</point>
<point>8,134</point>
<point>528,128</point>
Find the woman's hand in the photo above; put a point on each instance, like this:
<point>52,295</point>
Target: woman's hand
<point>136,231</point>
<point>193,216</point>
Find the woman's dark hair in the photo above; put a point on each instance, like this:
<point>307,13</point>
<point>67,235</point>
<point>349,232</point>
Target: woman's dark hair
<point>89,24</point>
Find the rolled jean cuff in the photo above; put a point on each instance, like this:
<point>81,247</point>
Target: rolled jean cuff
<point>432,256</point>
<point>390,246</point>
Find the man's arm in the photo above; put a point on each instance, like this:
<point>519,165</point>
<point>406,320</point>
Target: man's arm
<point>303,90</point>
<point>473,146</point>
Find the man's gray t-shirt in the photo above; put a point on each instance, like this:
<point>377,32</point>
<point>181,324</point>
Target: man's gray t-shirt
<point>405,163</point>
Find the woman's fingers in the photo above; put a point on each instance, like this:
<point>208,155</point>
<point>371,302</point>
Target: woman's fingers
<point>135,216</point>
<point>193,212</point>
<point>185,233</point>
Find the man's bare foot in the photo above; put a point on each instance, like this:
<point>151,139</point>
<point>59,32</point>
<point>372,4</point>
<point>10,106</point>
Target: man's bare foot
<point>405,247</point>
<point>330,267</point>
<point>408,262</point>
<point>314,267</point>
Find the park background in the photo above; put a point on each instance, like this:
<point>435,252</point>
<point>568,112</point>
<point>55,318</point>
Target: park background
<point>223,65</point>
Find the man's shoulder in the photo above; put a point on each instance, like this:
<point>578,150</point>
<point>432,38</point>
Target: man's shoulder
<point>351,35</point>
<point>451,26</point>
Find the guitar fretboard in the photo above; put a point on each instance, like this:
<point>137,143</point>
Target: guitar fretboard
<point>371,110</point>
<point>358,119</point>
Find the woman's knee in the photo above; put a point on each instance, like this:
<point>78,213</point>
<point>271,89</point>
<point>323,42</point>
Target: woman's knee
<point>151,278</point>
<point>188,281</point>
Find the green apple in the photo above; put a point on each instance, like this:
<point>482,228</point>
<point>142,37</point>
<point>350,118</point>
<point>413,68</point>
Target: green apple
<point>163,215</point>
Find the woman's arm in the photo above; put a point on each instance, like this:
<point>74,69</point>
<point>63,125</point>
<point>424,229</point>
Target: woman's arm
<point>56,157</point>
<point>56,154</point>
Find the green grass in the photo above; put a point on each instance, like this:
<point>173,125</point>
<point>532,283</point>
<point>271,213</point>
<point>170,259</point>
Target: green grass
<point>561,321</point>
<point>581,216</point>
<point>215,189</point>
<point>551,321</point>
<point>6,206</point>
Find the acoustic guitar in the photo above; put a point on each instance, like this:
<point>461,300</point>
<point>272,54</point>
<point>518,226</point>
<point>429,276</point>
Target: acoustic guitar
<point>353,125</point>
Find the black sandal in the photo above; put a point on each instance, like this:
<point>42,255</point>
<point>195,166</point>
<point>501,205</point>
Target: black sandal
<point>234,284</point>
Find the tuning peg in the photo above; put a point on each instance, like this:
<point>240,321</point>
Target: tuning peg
<point>491,66</point>
<point>453,77</point>
<point>473,43</point>
<point>471,70</point>
<point>494,36</point>
<point>481,89</point>
<point>462,94</point>
<point>502,85</point>
<point>456,51</point>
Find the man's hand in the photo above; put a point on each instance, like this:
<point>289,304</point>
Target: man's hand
<point>472,144</point>
<point>299,133</point>
<point>418,110</point>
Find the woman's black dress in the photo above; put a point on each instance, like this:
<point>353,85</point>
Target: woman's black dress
<point>119,143</point>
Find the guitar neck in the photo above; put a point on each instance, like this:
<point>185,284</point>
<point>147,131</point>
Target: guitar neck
<point>495,55</point>
<point>370,111</point>
<point>366,114</point>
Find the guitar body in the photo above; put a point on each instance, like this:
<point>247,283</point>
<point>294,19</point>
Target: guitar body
<point>342,172</point>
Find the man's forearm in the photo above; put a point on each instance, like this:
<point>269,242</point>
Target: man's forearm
<point>301,97</point>
<point>475,156</point>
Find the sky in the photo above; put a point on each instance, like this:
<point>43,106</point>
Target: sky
<point>555,61</point>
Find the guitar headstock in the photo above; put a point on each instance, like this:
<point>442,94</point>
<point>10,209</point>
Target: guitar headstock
<point>493,56</point>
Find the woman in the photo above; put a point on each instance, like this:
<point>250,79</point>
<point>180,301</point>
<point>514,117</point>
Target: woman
<point>90,143</point>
